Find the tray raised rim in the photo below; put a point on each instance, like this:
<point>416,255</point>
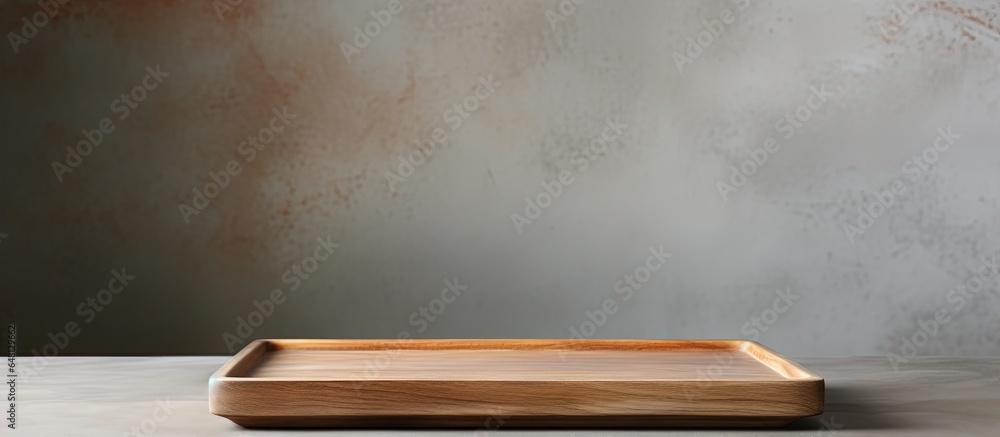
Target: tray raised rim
<point>246,358</point>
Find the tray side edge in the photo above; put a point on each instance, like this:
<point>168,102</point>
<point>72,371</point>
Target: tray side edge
<point>239,363</point>
<point>777,362</point>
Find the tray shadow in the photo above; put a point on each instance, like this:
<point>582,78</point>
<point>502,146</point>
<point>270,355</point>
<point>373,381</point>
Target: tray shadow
<point>852,408</point>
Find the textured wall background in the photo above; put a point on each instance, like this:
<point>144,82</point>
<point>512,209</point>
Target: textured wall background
<point>898,72</point>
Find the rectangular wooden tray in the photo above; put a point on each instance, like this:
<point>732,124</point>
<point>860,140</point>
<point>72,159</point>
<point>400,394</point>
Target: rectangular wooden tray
<point>492,384</point>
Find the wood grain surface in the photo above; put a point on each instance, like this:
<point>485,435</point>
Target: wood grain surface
<point>522,383</point>
<point>505,365</point>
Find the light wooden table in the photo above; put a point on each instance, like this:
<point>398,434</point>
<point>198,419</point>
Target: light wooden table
<point>864,396</point>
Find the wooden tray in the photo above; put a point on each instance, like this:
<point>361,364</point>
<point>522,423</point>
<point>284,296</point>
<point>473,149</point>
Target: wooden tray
<point>492,384</point>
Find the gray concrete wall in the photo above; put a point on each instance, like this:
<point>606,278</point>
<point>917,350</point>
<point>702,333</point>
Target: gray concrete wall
<point>642,124</point>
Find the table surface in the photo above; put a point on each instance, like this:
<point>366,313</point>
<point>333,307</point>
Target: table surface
<point>114,396</point>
